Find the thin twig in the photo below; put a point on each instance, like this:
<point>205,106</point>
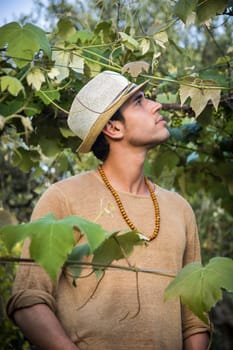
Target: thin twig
<point>97,266</point>
<point>92,294</point>
<point>138,297</point>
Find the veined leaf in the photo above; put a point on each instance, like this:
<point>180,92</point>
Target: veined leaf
<point>47,96</point>
<point>23,42</point>
<point>62,60</point>
<point>35,78</point>
<point>77,255</point>
<point>184,8</point>
<point>199,96</point>
<point>51,239</point>
<point>161,39</point>
<point>128,41</point>
<point>65,28</point>
<point>76,62</point>
<point>13,85</point>
<point>116,246</point>
<point>209,8</point>
<point>25,159</point>
<point>135,68</point>
<point>53,73</point>
<point>145,45</point>
<point>201,287</point>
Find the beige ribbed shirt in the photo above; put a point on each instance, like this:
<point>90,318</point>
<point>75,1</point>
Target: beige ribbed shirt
<point>116,317</point>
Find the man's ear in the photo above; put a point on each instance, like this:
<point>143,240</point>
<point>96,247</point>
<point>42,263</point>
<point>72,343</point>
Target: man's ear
<point>113,129</point>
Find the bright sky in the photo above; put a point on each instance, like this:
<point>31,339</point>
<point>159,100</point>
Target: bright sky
<point>10,10</point>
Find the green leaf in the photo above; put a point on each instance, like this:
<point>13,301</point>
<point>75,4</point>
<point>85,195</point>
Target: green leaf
<point>77,255</point>
<point>128,41</point>
<point>83,36</point>
<point>184,8</point>
<point>200,288</point>
<point>52,240</point>
<point>25,159</point>
<point>105,30</point>
<point>117,246</point>
<point>11,84</point>
<point>113,246</point>
<point>145,46</point>
<point>209,8</point>
<point>23,42</point>
<point>11,107</point>
<point>165,159</point>
<point>40,36</point>
<point>47,96</point>
<point>95,233</point>
<point>161,39</point>
<point>50,147</point>
<point>65,28</point>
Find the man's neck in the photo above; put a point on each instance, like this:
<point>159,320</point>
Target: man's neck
<point>125,171</point>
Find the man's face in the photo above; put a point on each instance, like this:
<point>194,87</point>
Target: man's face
<point>144,126</point>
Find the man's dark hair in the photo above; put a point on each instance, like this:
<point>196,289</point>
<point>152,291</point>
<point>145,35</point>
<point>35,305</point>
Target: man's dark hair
<point>101,147</point>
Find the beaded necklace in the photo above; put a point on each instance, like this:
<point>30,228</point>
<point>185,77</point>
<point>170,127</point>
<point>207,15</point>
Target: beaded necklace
<point>122,209</point>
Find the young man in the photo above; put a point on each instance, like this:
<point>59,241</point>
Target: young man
<point>114,120</point>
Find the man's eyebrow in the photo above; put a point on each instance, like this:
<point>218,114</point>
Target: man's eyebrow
<point>138,96</point>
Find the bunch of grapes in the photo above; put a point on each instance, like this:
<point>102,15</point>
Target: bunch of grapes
<point>176,120</point>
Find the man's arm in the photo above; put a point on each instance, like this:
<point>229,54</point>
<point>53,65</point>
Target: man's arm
<point>199,341</point>
<point>42,328</point>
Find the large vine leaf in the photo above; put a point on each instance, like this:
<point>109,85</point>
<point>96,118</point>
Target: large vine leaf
<point>204,9</point>
<point>23,42</point>
<point>75,258</point>
<point>201,287</point>
<point>135,68</point>
<point>62,59</point>
<point>65,28</point>
<point>52,243</point>
<point>25,159</point>
<point>36,78</point>
<point>209,8</point>
<point>51,239</point>
<point>184,8</point>
<point>199,94</point>
<point>117,246</point>
<point>129,41</point>
<point>66,57</point>
<point>76,62</point>
<point>13,85</point>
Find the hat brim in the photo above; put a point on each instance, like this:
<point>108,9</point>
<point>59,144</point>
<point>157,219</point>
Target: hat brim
<point>104,117</point>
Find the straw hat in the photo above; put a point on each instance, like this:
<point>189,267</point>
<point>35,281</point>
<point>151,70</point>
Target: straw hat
<point>96,103</point>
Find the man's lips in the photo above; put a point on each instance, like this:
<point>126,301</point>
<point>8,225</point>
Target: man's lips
<point>160,120</point>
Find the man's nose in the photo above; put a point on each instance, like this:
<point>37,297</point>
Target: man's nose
<point>155,106</point>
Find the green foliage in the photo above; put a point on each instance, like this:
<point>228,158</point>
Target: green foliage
<point>204,9</point>
<point>188,66</point>
<point>23,42</point>
<point>51,240</point>
<point>201,287</point>
<point>10,336</point>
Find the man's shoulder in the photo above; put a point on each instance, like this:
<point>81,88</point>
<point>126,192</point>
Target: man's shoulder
<point>72,185</point>
<point>172,195</point>
<point>76,180</point>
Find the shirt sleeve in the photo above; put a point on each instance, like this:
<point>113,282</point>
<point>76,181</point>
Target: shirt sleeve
<point>32,284</point>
